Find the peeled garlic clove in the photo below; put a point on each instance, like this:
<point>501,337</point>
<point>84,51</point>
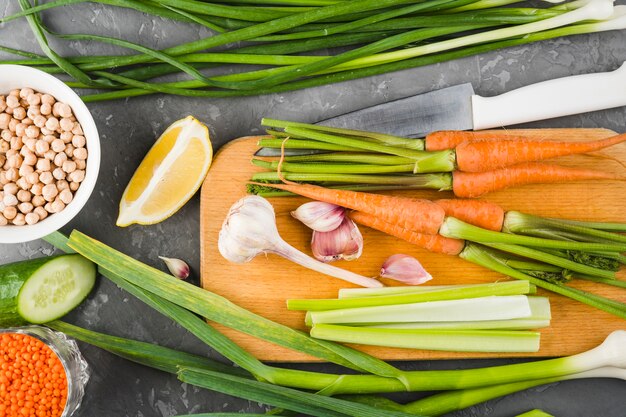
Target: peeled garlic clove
<point>406,269</point>
<point>177,267</point>
<point>320,216</point>
<point>345,242</point>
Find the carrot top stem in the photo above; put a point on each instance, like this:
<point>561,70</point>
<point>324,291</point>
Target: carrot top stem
<point>423,181</point>
<point>494,260</point>
<point>515,222</point>
<point>457,229</point>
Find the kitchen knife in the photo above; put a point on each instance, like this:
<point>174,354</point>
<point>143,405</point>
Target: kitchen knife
<point>458,108</point>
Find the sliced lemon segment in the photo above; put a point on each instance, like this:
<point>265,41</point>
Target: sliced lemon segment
<point>169,175</point>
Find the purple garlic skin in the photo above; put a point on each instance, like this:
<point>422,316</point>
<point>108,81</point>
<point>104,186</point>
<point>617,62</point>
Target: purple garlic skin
<point>345,242</point>
<point>320,216</point>
<point>406,269</point>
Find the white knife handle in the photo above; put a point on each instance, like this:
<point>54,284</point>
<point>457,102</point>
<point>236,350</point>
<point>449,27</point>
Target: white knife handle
<point>553,98</point>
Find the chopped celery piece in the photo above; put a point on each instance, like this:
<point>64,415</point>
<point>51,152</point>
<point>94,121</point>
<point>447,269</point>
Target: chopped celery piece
<point>470,309</point>
<point>450,340</point>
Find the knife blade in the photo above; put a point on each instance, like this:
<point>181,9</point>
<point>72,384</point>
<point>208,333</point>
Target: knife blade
<point>458,108</point>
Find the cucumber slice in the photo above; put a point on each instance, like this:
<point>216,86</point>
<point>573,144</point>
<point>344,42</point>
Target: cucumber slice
<point>55,288</point>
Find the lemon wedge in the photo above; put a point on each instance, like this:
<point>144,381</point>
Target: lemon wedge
<point>169,175</point>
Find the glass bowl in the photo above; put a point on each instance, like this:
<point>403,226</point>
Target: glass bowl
<point>66,349</point>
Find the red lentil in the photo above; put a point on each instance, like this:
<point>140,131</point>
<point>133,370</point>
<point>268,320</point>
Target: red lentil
<point>32,379</point>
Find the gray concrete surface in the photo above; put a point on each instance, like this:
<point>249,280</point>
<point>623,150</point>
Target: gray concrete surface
<point>129,127</point>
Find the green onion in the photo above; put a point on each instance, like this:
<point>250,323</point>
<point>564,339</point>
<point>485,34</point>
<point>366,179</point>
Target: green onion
<point>374,292</point>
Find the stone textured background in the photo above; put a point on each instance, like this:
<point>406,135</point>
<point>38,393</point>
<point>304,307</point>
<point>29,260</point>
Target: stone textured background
<point>129,127</point>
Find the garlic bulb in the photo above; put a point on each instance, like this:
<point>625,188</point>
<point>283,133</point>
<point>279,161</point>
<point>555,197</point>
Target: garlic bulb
<point>177,267</point>
<point>320,216</point>
<point>250,229</point>
<point>345,242</point>
<point>406,269</point>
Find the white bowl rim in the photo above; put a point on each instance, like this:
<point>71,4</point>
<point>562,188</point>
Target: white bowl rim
<point>20,76</point>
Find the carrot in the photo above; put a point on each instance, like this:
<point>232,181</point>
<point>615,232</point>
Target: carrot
<point>433,243</point>
<point>450,139</point>
<point>487,155</point>
<point>419,215</point>
<point>480,213</point>
<point>475,184</point>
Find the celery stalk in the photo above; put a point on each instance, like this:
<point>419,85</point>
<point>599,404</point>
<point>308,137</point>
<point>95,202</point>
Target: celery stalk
<point>470,309</point>
<point>449,340</point>
<point>411,296</point>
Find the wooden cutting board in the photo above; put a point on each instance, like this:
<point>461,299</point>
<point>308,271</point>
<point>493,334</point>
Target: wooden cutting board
<point>263,285</point>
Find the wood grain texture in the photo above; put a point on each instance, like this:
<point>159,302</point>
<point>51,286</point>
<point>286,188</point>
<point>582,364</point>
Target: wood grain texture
<point>263,285</point>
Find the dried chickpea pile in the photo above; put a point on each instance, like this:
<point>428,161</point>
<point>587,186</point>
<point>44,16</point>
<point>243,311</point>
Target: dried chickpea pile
<point>42,156</point>
<point>32,378</point>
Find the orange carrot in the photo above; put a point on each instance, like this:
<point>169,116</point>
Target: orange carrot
<point>480,213</point>
<point>450,139</point>
<point>475,184</point>
<point>433,243</point>
<point>419,215</point>
<point>487,155</point>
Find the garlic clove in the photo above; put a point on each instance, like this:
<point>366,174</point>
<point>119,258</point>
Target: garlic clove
<point>345,242</point>
<point>177,267</point>
<point>320,216</point>
<point>406,269</point>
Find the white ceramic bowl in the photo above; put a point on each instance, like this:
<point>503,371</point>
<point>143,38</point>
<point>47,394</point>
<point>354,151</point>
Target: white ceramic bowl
<point>18,76</point>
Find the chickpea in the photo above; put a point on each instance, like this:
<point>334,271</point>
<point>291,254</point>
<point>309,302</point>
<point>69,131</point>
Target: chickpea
<point>80,153</point>
<point>41,212</point>
<point>32,132</point>
<point>74,186</point>
<point>52,123</point>
<point>4,120</point>
<point>57,205</point>
<point>25,170</point>
<point>24,196</point>
<point>47,99</point>
<point>16,142</point>
<point>69,166</point>
<point>45,109</point>
<point>25,92</point>
<point>3,178</point>
<point>69,150</point>
<point>23,183</point>
<point>20,129</point>
<point>10,188</point>
<point>12,101</point>
<point>66,137</point>
<point>31,144</point>
<point>19,113</point>
<point>58,174</point>
<point>6,135</point>
<point>3,220</point>
<point>48,208</point>
<point>30,159</point>
<point>32,218</point>
<point>9,200</point>
<point>78,141</point>
<point>27,121</point>
<point>60,159</point>
<point>12,123</point>
<point>3,104</point>
<point>81,164</point>
<point>33,113</point>
<point>32,178</point>
<point>66,125</point>
<point>34,100</point>
<point>78,130</point>
<point>40,121</point>
<point>49,192</point>
<point>49,138</point>
<point>11,174</point>
<point>77,176</point>
<point>42,147</point>
<point>10,212</point>
<point>50,155</point>
<point>4,146</point>
<point>43,165</point>
<point>37,189</point>
<point>66,196</point>
<point>57,145</point>
<point>38,201</point>
<point>46,177</point>
<point>19,220</point>
<point>25,207</point>
<point>63,185</point>
<point>65,110</point>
